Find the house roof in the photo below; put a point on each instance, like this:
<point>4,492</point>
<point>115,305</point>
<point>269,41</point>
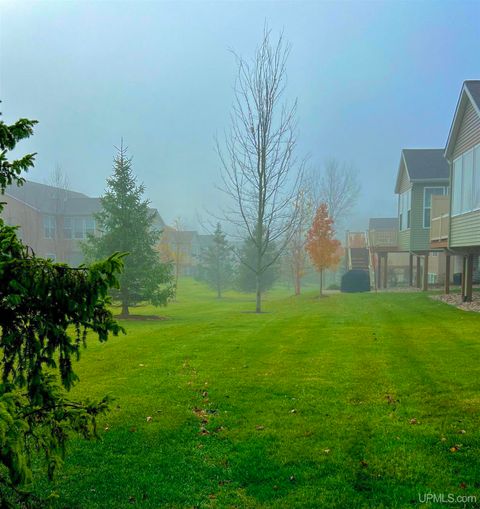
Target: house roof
<point>470,93</point>
<point>423,164</point>
<point>44,198</point>
<point>54,200</point>
<point>383,223</point>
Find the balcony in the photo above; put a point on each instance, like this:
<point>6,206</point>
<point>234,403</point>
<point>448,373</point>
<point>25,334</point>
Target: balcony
<point>383,239</point>
<point>440,221</point>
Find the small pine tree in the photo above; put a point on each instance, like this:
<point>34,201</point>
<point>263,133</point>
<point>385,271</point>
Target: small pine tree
<point>126,225</point>
<point>321,246</point>
<point>216,263</point>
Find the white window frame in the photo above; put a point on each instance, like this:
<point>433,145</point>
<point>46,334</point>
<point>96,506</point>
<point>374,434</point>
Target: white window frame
<point>52,220</point>
<point>68,228</point>
<point>476,168</point>
<point>404,218</point>
<point>445,191</point>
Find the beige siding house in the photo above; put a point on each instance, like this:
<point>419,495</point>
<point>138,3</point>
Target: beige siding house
<point>54,222</point>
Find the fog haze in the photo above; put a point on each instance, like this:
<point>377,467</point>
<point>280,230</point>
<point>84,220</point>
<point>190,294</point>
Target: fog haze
<point>371,78</point>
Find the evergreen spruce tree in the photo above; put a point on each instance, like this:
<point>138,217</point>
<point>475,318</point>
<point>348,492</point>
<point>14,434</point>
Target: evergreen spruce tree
<point>216,263</point>
<point>246,275</point>
<point>126,225</point>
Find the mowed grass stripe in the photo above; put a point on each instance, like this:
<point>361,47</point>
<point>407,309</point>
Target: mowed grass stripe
<point>307,405</point>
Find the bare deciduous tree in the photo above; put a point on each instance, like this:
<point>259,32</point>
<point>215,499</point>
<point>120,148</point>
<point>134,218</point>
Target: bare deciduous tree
<point>60,185</point>
<point>260,173</point>
<point>296,256</point>
<point>338,187</point>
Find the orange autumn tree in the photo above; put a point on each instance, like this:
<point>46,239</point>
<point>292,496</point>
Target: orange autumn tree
<point>322,248</point>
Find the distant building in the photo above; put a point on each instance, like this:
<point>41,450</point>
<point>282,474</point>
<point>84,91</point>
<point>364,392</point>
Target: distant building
<point>53,221</point>
<point>184,248</point>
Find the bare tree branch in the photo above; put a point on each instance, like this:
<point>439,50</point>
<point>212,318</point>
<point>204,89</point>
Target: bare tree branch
<point>337,186</point>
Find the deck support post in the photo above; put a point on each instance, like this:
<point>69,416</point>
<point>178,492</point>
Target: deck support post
<point>447,273</point>
<point>379,271</point>
<point>464,275</point>
<point>425,273</point>
<point>418,282</point>
<point>410,270</point>
<point>469,278</point>
<point>385,271</point>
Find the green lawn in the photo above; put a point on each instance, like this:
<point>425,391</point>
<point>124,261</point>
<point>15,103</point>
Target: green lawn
<point>344,402</point>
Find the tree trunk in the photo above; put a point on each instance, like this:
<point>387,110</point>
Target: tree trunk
<point>258,305</point>
<point>125,310</point>
<point>321,282</point>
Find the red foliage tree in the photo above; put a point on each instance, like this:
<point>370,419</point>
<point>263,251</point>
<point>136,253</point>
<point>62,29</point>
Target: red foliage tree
<point>322,248</point>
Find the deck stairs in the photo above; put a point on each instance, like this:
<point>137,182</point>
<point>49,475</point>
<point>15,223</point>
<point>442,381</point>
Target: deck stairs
<point>359,254</point>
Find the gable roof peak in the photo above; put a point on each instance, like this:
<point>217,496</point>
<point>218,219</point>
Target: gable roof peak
<point>470,92</point>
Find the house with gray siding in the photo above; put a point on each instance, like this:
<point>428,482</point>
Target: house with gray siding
<point>422,174</point>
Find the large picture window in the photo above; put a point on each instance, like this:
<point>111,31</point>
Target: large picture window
<point>404,207</point>
<point>466,182</point>
<point>428,192</point>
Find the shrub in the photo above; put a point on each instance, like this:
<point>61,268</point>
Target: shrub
<point>356,280</point>
<point>333,286</point>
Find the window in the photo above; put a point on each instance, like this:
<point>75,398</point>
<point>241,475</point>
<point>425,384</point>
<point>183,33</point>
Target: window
<point>67,227</point>
<point>405,205</point>
<point>49,227</point>
<point>457,186</point>
<point>89,226</point>
<point>428,192</point>
<point>476,179</point>
<point>82,226</point>
<point>466,182</point>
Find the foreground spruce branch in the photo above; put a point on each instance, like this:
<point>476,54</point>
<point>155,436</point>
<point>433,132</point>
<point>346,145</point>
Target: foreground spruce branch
<point>41,304</point>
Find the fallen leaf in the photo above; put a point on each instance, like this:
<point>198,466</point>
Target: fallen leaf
<point>461,432</point>
<point>293,478</point>
<point>149,419</point>
<point>259,428</point>
<point>326,451</point>
<point>413,421</point>
<point>293,411</point>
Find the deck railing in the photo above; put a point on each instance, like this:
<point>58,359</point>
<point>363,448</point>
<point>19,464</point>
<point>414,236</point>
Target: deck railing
<point>383,238</point>
<point>440,218</point>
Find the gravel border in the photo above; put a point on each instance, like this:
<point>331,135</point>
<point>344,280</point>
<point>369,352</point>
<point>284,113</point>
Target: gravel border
<point>455,299</point>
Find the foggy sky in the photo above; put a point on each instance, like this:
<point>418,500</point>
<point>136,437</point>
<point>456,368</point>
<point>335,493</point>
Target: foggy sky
<point>371,78</point>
